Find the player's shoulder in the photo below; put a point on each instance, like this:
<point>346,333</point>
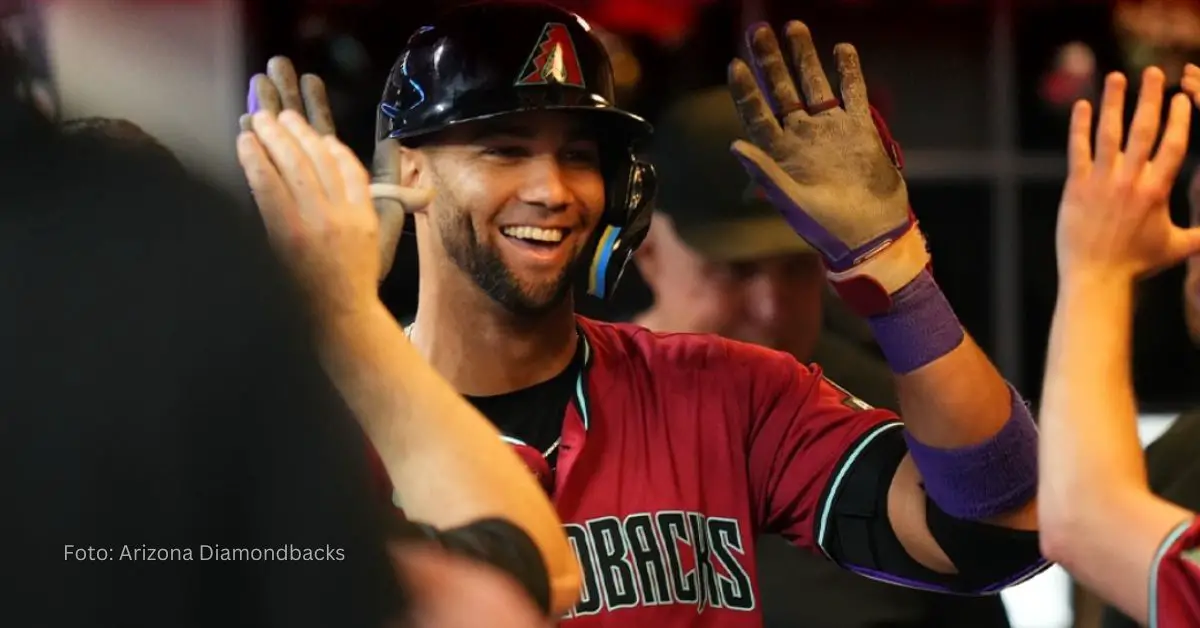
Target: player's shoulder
<point>1175,576</point>
<point>689,352</point>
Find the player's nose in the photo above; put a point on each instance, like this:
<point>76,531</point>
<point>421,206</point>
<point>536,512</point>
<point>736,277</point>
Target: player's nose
<point>545,184</point>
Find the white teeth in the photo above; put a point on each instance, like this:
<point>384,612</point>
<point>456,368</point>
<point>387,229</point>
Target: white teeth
<point>534,233</point>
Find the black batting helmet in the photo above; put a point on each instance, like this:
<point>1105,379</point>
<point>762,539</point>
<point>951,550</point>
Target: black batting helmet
<point>494,58</point>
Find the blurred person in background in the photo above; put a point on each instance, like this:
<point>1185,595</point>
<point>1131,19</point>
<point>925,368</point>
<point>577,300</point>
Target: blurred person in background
<point>171,451</point>
<point>1098,516</point>
<point>720,259</point>
<point>667,453</point>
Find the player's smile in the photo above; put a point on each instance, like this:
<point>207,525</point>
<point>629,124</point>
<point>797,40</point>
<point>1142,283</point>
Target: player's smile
<point>539,245</point>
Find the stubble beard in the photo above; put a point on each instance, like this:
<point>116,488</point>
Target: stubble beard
<point>482,263</point>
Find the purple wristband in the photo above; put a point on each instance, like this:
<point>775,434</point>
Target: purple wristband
<point>919,328</point>
<point>984,480</point>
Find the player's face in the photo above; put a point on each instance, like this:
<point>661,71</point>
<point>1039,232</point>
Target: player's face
<point>770,301</point>
<point>518,197</point>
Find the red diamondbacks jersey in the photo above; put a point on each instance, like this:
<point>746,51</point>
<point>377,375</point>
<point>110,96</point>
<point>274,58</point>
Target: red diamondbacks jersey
<point>680,450</point>
<point>677,452</point>
<point>1175,583</point>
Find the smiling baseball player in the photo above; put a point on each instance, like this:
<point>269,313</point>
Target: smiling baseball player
<point>668,454</point>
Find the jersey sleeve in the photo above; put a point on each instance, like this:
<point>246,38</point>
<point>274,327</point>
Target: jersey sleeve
<point>806,432</point>
<point>1175,578</point>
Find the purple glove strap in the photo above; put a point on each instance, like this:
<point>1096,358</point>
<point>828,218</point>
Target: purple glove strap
<point>252,105</point>
<point>984,480</point>
<point>928,586</point>
<point>920,328</point>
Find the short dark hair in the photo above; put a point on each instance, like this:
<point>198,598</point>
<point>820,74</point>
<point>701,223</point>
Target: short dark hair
<point>118,133</point>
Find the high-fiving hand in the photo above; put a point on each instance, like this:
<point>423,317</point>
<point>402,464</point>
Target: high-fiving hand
<point>315,199</point>
<point>1114,220</point>
<point>829,166</point>
<point>281,90</point>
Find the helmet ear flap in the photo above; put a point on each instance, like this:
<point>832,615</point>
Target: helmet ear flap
<point>625,224</point>
<point>638,202</point>
<point>643,188</point>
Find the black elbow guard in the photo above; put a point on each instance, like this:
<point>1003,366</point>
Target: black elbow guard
<point>856,533</point>
<point>506,547</point>
<point>989,558</point>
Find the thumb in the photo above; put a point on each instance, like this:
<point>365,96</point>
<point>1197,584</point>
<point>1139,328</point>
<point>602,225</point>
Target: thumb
<point>386,176</point>
<point>764,169</point>
<point>411,200</point>
<point>391,227</point>
<point>752,158</point>
<point>1185,243</point>
<point>392,201</point>
<point>780,186</point>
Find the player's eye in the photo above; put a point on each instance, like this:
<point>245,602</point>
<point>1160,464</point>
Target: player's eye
<point>506,151</point>
<point>585,156</point>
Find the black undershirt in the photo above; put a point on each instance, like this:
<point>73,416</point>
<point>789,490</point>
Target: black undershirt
<point>534,415</point>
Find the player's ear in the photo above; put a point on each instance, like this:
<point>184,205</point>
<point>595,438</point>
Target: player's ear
<point>412,167</point>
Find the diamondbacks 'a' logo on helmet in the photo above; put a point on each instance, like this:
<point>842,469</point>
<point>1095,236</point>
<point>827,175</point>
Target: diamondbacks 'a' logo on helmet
<point>553,60</point>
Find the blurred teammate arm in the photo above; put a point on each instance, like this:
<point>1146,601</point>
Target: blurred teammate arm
<point>446,462</point>
<point>1092,464</point>
<point>1098,516</point>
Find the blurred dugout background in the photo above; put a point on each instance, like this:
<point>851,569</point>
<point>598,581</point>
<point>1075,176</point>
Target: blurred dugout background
<point>976,91</point>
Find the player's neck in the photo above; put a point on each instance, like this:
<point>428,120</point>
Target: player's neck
<point>481,348</point>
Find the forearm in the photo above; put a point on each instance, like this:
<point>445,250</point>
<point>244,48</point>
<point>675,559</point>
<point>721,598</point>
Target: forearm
<point>1098,519</point>
<point>950,394</point>
<point>958,400</point>
<point>968,431</point>
<point>1089,415</point>
<point>446,462</point>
